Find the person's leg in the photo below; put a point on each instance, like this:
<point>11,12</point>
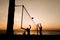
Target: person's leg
<point>24,33</point>
<point>41,31</point>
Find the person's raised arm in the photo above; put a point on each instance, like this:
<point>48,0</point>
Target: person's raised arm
<point>40,25</point>
<point>22,28</point>
<point>30,26</point>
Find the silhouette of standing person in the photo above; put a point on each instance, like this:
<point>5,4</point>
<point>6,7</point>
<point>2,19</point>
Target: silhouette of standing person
<point>40,28</point>
<point>27,30</point>
<point>37,28</point>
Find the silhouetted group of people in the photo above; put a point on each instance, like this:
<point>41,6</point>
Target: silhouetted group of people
<point>28,29</point>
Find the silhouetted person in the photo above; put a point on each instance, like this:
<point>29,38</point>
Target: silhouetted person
<point>37,28</point>
<point>27,30</point>
<point>40,28</point>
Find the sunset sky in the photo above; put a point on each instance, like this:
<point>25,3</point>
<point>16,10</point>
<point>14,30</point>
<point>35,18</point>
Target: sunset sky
<point>46,12</point>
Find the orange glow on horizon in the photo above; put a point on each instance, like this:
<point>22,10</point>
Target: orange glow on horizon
<point>44,27</point>
<point>16,27</point>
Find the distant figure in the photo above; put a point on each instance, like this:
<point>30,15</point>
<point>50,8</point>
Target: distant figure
<point>28,30</point>
<point>40,28</point>
<point>37,28</point>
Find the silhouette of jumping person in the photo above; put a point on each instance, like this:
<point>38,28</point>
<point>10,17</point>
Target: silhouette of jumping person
<point>40,28</point>
<point>27,30</point>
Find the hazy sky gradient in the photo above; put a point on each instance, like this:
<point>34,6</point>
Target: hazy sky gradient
<point>45,11</point>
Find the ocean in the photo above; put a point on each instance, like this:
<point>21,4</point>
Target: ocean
<point>44,32</point>
<point>33,32</point>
